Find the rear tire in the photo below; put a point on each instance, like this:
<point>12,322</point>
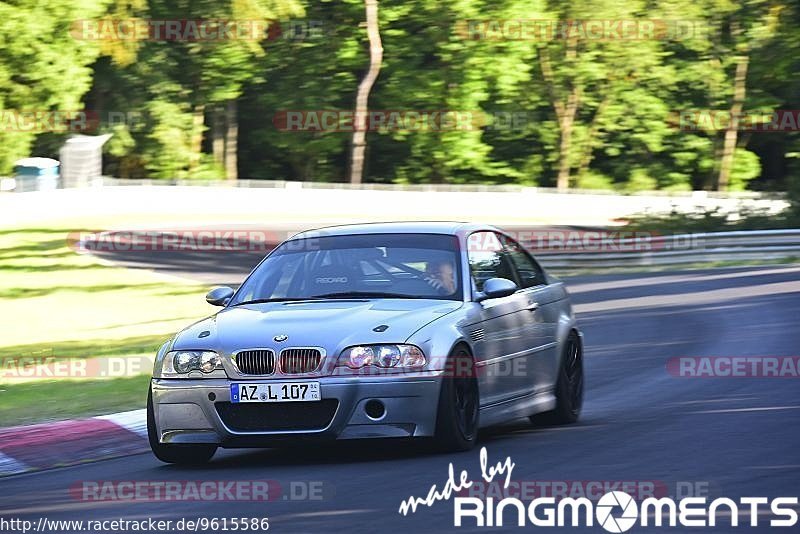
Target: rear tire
<point>457,414</point>
<point>569,387</point>
<point>182,454</point>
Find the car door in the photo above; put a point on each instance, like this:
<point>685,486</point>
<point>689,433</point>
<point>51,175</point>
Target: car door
<point>499,334</point>
<point>541,301</point>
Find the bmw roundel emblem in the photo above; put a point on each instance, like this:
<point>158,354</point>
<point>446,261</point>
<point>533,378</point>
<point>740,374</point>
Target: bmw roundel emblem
<point>280,337</point>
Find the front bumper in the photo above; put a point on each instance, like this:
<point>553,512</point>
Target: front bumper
<point>184,412</point>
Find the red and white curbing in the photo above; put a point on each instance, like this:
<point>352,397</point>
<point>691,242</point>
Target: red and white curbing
<point>62,443</point>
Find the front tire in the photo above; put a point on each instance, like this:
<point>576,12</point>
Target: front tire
<point>457,415</point>
<point>182,454</point>
<point>569,387</point>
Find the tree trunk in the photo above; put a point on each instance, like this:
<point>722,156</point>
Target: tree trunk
<point>565,148</point>
<point>732,131</point>
<point>218,136</point>
<point>565,113</point>
<point>591,139</point>
<point>362,97</point>
<point>231,141</point>
<point>196,141</point>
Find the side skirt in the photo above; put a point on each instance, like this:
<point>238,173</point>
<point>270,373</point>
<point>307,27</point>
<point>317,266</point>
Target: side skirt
<point>517,407</point>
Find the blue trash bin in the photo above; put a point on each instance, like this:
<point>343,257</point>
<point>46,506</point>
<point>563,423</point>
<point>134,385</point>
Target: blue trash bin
<point>36,174</point>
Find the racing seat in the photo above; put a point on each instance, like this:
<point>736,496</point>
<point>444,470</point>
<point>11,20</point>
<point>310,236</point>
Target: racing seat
<point>332,279</point>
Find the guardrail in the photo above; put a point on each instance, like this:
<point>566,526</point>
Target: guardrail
<point>645,249</point>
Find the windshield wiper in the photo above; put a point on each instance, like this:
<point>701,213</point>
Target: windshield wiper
<point>364,294</point>
<point>280,299</point>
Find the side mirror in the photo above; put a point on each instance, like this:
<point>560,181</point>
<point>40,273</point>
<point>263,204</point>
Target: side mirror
<point>219,296</point>
<point>495,288</point>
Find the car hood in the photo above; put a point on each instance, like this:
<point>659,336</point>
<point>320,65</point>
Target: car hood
<point>331,324</point>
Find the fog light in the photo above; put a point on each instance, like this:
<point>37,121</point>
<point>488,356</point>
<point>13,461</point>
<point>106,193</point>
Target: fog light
<point>375,409</point>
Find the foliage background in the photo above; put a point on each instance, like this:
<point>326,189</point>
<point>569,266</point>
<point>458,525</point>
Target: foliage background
<point>205,109</point>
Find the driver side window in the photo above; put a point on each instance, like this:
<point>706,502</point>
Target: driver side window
<point>487,259</point>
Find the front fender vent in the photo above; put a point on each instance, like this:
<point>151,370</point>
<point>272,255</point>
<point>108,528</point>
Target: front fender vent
<point>477,335</point>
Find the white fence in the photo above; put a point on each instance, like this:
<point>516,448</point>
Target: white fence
<point>316,202</point>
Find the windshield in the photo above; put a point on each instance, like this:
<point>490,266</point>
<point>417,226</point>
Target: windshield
<point>358,266</point>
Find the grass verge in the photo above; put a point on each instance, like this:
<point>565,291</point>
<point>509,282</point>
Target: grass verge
<point>59,304</point>
<point>33,402</point>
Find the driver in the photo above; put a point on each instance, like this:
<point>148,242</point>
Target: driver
<point>441,275</point>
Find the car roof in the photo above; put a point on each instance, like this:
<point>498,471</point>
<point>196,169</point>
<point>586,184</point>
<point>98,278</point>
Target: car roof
<point>399,227</point>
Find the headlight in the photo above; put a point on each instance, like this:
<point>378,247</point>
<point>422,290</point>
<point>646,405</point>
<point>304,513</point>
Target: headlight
<point>359,357</point>
<point>388,356</point>
<point>182,362</point>
<point>209,361</point>
<point>382,356</point>
<point>411,356</point>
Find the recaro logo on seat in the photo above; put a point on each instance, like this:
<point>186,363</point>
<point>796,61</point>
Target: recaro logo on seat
<point>332,280</point>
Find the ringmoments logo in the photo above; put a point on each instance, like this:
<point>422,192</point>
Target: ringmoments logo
<point>618,511</point>
<point>615,511</point>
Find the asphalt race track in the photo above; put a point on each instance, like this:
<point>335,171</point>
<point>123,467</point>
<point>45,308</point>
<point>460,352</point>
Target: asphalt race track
<point>733,437</point>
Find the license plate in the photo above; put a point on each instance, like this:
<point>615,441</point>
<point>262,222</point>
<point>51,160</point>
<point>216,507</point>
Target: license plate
<point>275,392</point>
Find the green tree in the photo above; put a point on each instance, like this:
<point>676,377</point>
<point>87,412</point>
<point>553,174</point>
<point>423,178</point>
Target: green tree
<point>43,67</point>
<point>183,85</point>
<point>317,67</point>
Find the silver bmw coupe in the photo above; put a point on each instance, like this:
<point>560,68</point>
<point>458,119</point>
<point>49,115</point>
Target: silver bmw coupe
<point>382,330</point>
